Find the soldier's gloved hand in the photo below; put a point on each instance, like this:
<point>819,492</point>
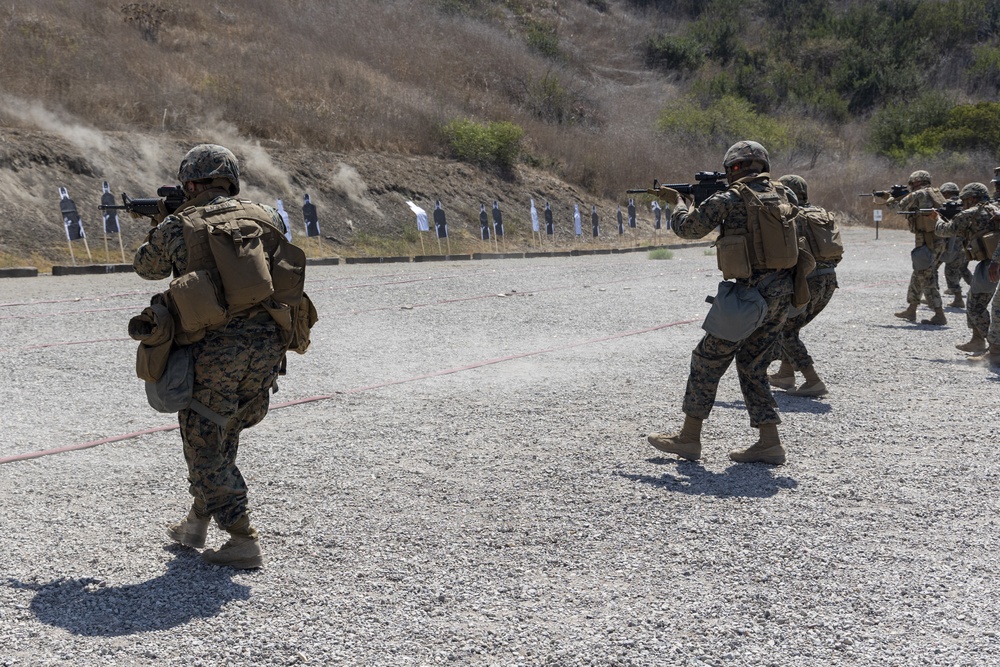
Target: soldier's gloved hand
<point>669,195</point>
<point>994,272</point>
<point>881,194</point>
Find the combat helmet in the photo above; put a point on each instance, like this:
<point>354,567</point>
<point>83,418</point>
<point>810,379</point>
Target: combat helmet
<point>976,191</point>
<point>949,189</point>
<point>746,151</point>
<point>798,186</point>
<point>996,175</point>
<point>206,162</point>
<point>919,176</point>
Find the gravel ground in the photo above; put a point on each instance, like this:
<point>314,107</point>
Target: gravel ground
<point>466,481</point>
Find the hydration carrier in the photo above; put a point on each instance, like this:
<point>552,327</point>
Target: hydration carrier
<point>822,234</point>
<point>770,240</point>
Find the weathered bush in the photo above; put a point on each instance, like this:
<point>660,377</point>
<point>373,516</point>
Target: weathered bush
<point>495,145</point>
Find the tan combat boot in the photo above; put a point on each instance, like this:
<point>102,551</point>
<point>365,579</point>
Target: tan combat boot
<point>191,531</point>
<point>241,551</point>
<point>938,319</point>
<point>784,378</point>
<point>990,355</point>
<point>909,314</point>
<point>976,344</point>
<point>686,444</point>
<point>957,302</point>
<point>767,449</point>
<point>813,386</point>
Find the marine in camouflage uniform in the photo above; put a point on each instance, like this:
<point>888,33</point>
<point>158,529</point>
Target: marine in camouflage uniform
<point>822,281</point>
<point>992,353</point>
<point>235,367</point>
<point>956,264</point>
<point>746,161</point>
<point>977,218</point>
<point>923,282</point>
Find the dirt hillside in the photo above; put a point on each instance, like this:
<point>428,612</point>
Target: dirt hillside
<point>361,198</point>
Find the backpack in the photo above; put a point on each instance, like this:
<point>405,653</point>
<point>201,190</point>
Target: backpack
<point>822,235</point>
<point>771,226</point>
<point>243,261</point>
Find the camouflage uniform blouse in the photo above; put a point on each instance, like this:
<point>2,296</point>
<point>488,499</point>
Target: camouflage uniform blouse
<point>727,210</point>
<point>969,223</point>
<point>914,201</point>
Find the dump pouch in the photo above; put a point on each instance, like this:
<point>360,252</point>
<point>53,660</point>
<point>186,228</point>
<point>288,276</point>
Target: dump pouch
<point>922,257</point>
<point>737,311</point>
<point>173,391</point>
<point>954,250</point>
<point>981,283</point>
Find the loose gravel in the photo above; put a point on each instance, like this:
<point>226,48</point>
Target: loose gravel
<point>466,481</point>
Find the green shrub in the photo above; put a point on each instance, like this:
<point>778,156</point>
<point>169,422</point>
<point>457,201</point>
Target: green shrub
<point>893,125</point>
<point>661,253</point>
<point>494,145</point>
<point>542,38</point>
<point>969,127</point>
<point>681,54</point>
<point>984,73</point>
<point>722,122</point>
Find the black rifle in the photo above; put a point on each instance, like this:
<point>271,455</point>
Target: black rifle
<point>948,210</point>
<point>895,192</point>
<point>706,184</point>
<point>172,197</point>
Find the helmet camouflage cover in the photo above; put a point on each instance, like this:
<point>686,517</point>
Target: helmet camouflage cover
<point>919,176</point>
<point>208,162</point>
<point>974,191</point>
<point>949,187</point>
<point>746,151</point>
<point>797,185</point>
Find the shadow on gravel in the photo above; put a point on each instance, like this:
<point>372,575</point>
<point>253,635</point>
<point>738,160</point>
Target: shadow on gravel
<point>189,589</point>
<point>804,404</point>
<point>743,480</point>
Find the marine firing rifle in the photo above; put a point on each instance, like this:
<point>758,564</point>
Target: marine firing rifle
<point>706,184</point>
<point>948,210</point>
<point>895,192</point>
<point>172,197</point>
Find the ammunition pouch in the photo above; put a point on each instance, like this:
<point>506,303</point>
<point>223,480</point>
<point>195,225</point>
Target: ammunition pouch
<point>733,257</point>
<point>198,301</point>
<point>983,246</point>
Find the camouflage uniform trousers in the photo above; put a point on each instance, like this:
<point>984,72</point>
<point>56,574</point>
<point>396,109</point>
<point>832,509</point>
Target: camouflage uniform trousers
<point>791,348</point>
<point>977,311</point>
<point>712,357</point>
<point>993,332</point>
<point>234,370</point>
<point>925,283</point>
<point>956,271</point>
